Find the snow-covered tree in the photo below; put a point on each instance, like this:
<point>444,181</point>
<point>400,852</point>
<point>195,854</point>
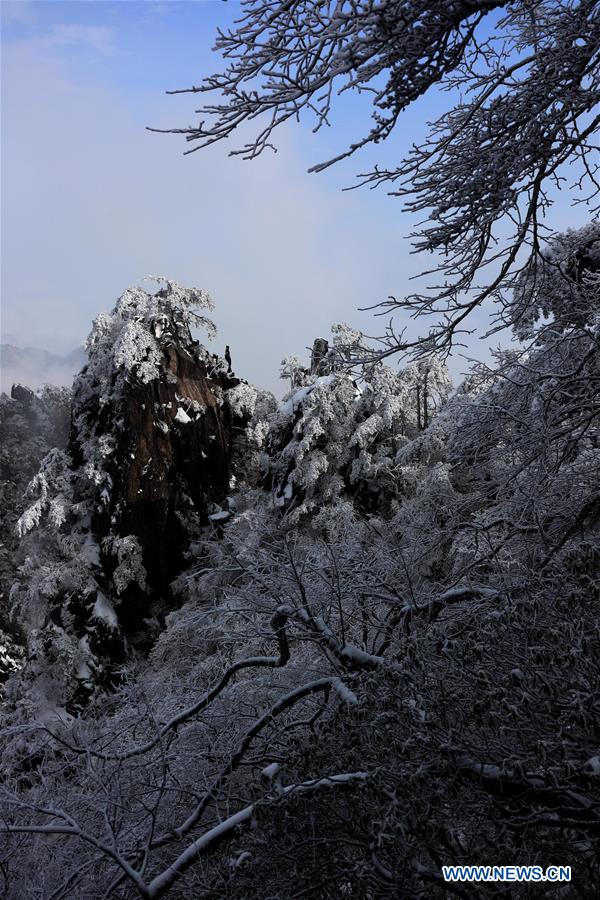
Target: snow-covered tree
<point>31,424</point>
<point>292,368</point>
<point>524,86</point>
<point>348,716</point>
<point>353,693</point>
<point>337,437</point>
<point>530,434</point>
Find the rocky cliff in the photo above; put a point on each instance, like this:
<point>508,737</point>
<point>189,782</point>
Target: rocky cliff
<point>170,466</point>
<point>156,424</point>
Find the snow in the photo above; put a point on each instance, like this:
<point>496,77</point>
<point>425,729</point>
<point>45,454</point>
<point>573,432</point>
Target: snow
<point>467,592</point>
<point>182,416</point>
<point>242,399</point>
<point>222,516</point>
<point>271,770</point>
<point>592,766</point>
<point>166,877</point>
<point>162,882</point>
<point>103,610</point>
<point>323,627</point>
<point>327,781</point>
<point>349,651</point>
<point>291,404</point>
<point>130,566</point>
<point>137,348</point>
<point>344,692</point>
<point>361,656</point>
<point>90,551</point>
<point>52,714</point>
<point>83,672</point>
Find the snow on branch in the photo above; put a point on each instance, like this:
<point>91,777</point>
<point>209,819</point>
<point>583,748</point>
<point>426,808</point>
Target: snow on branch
<point>224,830</point>
<point>277,623</point>
<point>349,655</point>
<point>322,685</point>
<point>523,117</point>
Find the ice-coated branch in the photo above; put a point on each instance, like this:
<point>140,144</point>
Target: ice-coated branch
<point>224,830</point>
<point>322,685</point>
<point>522,118</point>
<point>349,655</point>
<point>70,828</point>
<point>254,662</point>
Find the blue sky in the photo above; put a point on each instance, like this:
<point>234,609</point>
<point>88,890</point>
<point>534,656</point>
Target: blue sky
<point>92,202</point>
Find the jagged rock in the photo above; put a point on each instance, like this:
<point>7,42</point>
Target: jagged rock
<point>22,394</point>
<point>318,360</point>
<point>158,433</point>
<point>156,440</point>
<point>173,456</point>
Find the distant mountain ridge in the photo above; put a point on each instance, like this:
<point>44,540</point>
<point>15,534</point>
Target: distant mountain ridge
<point>34,366</point>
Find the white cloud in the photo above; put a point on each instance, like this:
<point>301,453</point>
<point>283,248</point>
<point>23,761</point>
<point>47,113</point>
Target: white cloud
<point>99,37</point>
<point>19,12</point>
<point>92,202</point>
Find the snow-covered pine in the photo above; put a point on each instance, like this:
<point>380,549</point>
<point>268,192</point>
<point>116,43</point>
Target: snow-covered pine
<point>339,435</point>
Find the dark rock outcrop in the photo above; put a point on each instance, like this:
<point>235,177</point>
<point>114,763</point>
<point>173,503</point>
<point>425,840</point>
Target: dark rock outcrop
<point>153,449</point>
<point>167,444</point>
<point>172,460</point>
<point>318,359</point>
<point>22,394</point>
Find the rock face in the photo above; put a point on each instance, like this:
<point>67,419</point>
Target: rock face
<point>158,429</point>
<point>22,394</point>
<point>318,359</point>
<point>152,445</point>
<point>172,459</point>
